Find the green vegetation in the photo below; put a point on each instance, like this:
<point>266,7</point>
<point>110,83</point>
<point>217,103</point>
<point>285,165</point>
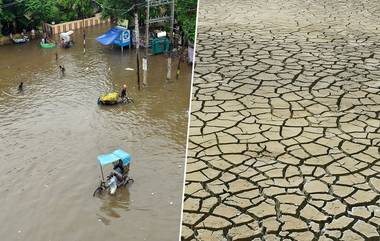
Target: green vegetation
<point>186,15</point>
<point>16,15</point>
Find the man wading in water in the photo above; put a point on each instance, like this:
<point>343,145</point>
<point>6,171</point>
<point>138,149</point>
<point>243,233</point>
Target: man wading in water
<point>62,69</point>
<point>21,86</point>
<point>123,93</point>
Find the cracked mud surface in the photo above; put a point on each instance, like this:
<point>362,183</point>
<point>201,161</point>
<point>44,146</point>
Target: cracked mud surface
<point>285,125</point>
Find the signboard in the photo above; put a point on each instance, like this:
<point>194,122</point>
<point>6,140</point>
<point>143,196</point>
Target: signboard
<point>161,34</point>
<point>125,36</point>
<point>123,23</point>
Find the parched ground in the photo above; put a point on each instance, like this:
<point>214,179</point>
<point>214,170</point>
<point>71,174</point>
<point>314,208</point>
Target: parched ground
<point>285,124</point>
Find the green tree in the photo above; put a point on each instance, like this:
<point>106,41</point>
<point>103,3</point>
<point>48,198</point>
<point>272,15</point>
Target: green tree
<point>12,15</point>
<point>42,11</point>
<point>120,9</point>
<point>186,11</point>
<point>1,15</point>
<point>76,9</point>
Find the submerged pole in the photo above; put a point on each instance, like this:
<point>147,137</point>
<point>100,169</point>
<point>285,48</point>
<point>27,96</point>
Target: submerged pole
<point>84,32</point>
<point>178,66</point>
<point>169,73</point>
<point>145,59</point>
<point>137,44</point>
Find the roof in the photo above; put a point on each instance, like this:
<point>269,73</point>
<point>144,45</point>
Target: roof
<point>116,155</point>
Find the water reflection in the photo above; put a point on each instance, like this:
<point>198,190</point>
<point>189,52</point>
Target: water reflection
<point>113,206</point>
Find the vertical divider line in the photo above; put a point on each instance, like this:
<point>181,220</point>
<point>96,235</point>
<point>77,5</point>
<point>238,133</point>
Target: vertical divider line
<point>188,122</point>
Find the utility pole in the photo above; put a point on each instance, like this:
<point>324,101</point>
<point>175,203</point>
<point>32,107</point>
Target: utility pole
<point>169,73</point>
<point>159,19</point>
<point>137,32</point>
<point>84,31</point>
<point>145,61</point>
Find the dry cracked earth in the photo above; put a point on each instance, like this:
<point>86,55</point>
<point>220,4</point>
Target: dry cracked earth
<point>285,122</point>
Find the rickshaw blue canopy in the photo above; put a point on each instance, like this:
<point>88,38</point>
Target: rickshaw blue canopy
<point>106,159</point>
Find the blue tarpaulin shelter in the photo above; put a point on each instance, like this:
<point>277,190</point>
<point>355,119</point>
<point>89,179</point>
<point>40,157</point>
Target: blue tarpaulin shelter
<point>116,36</point>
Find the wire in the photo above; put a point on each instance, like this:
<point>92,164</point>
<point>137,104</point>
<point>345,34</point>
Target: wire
<point>126,11</point>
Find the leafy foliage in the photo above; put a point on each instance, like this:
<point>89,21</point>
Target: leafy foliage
<point>42,11</point>
<point>186,11</point>
<point>16,15</point>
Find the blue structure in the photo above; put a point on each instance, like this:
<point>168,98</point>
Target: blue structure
<point>116,36</point>
<point>119,154</point>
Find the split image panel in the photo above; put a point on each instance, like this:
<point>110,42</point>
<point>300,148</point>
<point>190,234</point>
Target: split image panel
<point>64,123</point>
<point>284,127</point>
<point>281,141</point>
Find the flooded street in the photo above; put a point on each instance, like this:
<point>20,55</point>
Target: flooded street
<point>51,134</point>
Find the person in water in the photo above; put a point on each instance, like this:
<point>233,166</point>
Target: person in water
<point>21,86</point>
<point>119,170</point>
<point>62,68</point>
<point>123,93</point>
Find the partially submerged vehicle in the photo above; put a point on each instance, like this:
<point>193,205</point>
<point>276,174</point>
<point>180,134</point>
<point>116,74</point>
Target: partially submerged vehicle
<point>66,40</point>
<point>22,40</point>
<point>118,177</point>
<point>113,98</point>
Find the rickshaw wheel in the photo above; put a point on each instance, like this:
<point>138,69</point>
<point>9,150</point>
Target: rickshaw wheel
<point>130,180</point>
<point>98,191</point>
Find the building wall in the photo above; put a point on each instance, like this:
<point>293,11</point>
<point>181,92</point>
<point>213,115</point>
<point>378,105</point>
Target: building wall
<point>64,27</point>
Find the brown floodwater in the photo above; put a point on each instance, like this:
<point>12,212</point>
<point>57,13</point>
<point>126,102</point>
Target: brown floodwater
<point>51,134</point>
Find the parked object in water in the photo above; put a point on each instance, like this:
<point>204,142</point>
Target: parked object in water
<point>66,40</point>
<point>22,40</point>
<point>160,45</point>
<point>118,177</point>
<point>47,45</point>
<point>113,98</point>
